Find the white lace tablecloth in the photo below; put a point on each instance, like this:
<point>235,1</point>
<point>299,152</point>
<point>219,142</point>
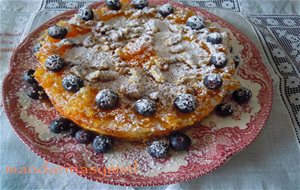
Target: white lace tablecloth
<point>271,162</point>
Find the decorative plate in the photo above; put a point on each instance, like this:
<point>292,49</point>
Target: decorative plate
<point>214,141</point>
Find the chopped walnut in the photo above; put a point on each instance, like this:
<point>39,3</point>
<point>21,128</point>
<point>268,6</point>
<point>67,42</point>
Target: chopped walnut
<point>135,76</point>
<point>154,96</point>
<point>188,59</point>
<point>104,29</point>
<point>123,70</point>
<point>134,23</point>
<point>176,49</point>
<point>151,26</point>
<point>103,63</point>
<point>105,48</point>
<point>132,90</point>
<point>137,44</point>
<point>98,26</point>
<point>117,35</point>
<point>174,39</point>
<point>120,63</point>
<point>138,29</point>
<point>186,79</point>
<point>103,76</point>
<point>78,71</point>
<point>88,41</point>
<point>155,72</point>
<point>116,45</point>
<point>172,59</point>
<point>137,14</point>
<point>175,28</point>
<point>148,10</point>
<point>102,39</point>
<point>134,35</point>
<point>160,63</point>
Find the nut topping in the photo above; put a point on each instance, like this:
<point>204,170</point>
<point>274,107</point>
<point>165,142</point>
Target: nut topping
<point>103,76</point>
<point>176,49</point>
<point>174,39</point>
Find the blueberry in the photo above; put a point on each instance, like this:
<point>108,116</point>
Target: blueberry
<point>54,63</point>
<point>37,47</point>
<point>59,125</point>
<point>145,107</point>
<point>224,109</point>
<point>236,61</point>
<point>86,13</point>
<point>219,60</point>
<point>213,81</point>
<point>214,38</point>
<point>166,9</point>
<point>72,83</point>
<point>113,4</point>
<point>139,4</point>
<point>158,149</point>
<point>29,78</point>
<point>242,95</point>
<point>36,92</point>
<point>179,141</point>
<point>83,136</point>
<point>185,103</point>
<point>73,128</point>
<point>195,22</point>
<point>102,143</point>
<point>57,32</point>
<point>107,99</point>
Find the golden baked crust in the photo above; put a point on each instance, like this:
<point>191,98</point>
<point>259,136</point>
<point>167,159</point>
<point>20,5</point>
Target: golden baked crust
<point>138,54</point>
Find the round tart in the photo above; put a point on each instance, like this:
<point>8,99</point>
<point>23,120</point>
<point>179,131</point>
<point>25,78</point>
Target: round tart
<point>133,72</point>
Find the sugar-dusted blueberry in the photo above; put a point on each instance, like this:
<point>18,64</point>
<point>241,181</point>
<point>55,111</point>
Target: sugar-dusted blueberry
<point>59,125</point>
<point>113,4</point>
<point>242,95</point>
<point>158,149</point>
<point>57,32</point>
<point>54,63</point>
<point>29,78</point>
<point>185,103</point>
<point>107,99</point>
<point>166,10</point>
<point>236,60</point>
<point>195,22</point>
<point>145,107</point>
<point>219,60</point>
<point>37,47</point>
<point>102,143</point>
<point>139,4</point>
<point>214,38</point>
<point>224,109</point>
<point>86,13</point>
<point>213,81</point>
<point>179,141</point>
<point>72,83</point>
<point>83,136</point>
<point>36,92</point>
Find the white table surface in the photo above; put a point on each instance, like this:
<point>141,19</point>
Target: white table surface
<point>271,162</point>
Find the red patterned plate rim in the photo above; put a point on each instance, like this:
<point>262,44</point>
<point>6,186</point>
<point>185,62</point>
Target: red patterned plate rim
<point>264,112</point>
